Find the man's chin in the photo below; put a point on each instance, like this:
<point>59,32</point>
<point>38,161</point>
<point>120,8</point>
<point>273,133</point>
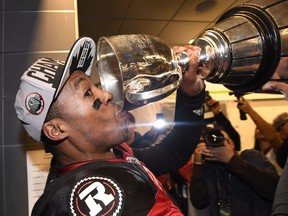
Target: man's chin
<point>126,134</point>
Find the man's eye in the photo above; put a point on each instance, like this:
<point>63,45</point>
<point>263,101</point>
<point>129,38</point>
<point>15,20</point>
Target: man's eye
<point>88,93</point>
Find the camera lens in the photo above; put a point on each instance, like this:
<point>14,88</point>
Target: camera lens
<point>214,138</point>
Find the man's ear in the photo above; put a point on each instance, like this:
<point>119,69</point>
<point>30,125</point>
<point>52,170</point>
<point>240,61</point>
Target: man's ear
<point>54,130</point>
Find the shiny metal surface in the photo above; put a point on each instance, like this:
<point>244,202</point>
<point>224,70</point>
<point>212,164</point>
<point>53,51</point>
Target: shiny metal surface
<point>246,46</point>
<point>138,69</point>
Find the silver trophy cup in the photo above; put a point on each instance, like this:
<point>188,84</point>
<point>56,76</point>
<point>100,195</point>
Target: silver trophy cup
<point>243,49</point>
<point>246,48</point>
<point>138,69</point>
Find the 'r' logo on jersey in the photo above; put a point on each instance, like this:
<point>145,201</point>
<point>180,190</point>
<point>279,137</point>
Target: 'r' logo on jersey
<point>95,196</point>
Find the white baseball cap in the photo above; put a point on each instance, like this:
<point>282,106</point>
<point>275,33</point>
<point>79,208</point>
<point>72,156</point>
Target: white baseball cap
<point>41,83</point>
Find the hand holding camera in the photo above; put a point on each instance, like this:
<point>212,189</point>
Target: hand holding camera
<point>214,147</point>
<point>222,154</point>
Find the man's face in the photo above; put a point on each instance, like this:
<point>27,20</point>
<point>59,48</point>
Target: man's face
<point>103,128</point>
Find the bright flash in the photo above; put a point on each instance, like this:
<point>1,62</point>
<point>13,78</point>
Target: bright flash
<point>159,123</point>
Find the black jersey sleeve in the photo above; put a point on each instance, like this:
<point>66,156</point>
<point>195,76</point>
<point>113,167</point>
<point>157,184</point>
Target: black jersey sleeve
<point>176,148</point>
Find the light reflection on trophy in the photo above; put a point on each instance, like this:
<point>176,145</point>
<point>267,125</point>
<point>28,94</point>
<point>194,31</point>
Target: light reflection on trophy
<point>247,47</point>
<point>138,69</point>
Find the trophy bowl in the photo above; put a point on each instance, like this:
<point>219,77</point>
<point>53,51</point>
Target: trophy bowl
<point>137,69</point>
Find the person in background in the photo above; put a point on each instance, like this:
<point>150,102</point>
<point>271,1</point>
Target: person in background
<point>220,121</point>
<point>182,177</point>
<point>94,171</point>
<point>263,145</point>
<point>226,183</point>
<point>280,204</point>
<point>280,124</point>
<point>264,132</point>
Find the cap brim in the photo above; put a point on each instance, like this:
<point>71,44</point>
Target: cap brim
<point>81,57</point>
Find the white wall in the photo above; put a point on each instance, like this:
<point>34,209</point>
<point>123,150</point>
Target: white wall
<point>268,109</point>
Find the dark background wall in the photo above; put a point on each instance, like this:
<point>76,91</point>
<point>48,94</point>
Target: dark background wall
<point>30,29</point>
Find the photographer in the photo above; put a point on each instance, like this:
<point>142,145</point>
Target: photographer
<point>226,183</point>
<point>268,132</point>
<point>220,121</point>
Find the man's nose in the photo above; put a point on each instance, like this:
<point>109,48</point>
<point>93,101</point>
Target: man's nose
<point>106,97</point>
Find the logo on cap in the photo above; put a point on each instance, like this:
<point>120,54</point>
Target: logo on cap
<point>34,103</point>
<point>96,196</point>
<point>82,59</point>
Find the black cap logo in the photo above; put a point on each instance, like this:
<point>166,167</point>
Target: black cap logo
<point>34,103</point>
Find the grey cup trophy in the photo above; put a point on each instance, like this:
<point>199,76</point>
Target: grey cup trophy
<point>246,48</point>
<point>243,49</point>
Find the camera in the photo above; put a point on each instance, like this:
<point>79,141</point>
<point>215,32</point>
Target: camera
<point>214,138</point>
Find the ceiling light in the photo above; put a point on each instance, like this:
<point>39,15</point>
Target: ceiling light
<point>205,5</point>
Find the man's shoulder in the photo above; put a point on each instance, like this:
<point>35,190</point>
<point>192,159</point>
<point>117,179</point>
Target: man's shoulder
<point>101,183</point>
<point>252,155</point>
<point>249,152</point>
<point>257,158</point>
